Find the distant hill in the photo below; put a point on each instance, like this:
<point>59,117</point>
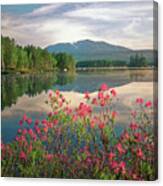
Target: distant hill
<point>96,50</point>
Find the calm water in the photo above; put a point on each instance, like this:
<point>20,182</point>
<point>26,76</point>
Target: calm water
<point>15,86</point>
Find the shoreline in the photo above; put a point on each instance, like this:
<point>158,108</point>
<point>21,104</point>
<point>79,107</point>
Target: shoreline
<point>81,69</point>
<point>78,69</point>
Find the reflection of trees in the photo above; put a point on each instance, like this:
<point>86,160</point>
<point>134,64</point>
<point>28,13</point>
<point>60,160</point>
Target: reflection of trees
<point>65,78</point>
<point>14,86</point>
<point>141,75</point>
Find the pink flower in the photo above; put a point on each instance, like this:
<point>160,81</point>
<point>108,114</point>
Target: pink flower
<point>29,121</point>
<point>102,102</point>
<point>50,114</point>
<point>113,92</point>
<point>114,164</point>
<point>63,99</point>
<point>116,170</point>
<point>49,157</point>
<point>101,125</point>
<point>57,92</point>
<point>50,125</point>
<point>139,100</point>
<point>24,117</point>
<point>17,138</point>
<point>50,93</point>
<point>94,101</point>
<point>45,129</point>
<point>2,146</point>
<point>30,148</point>
<point>68,110</point>
<point>55,112</point>
<point>38,131</point>
<point>83,110</point>
<point>43,138</point>
<point>148,104</point>
<point>55,121</point>
<point>44,121</point>
<point>31,133</point>
<point>120,148</point>
<point>100,95</point>
<point>139,153</point>
<point>107,97</point>
<point>37,122</point>
<point>133,113</point>
<point>60,103</point>
<point>74,117</point>
<point>114,114</point>
<point>92,124</point>
<point>122,165</point>
<point>138,136</point>
<point>133,126</point>
<point>111,155</point>
<point>86,95</point>
<point>19,130</point>
<point>21,122</point>
<point>22,155</point>
<point>126,136</point>
<point>24,131</point>
<point>104,87</point>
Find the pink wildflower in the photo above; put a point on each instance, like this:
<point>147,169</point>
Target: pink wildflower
<point>21,122</point>
<point>104,87</point>
<point>111,155</point>
<point>29,121</point>
<point>22,155</point>
<point>139,100</point>
<point>114,114</point>
<point>94,101</point>
<point>24,117</point>
<point>50,93</point>
<point>148,104</point>
<point>100,95</point>
<point>120,148</point>
<point>55,121</point>
<point>86,95</point>
<point>101,125</point>
<point>49,157</point>
<point>37,122</point>
<point>133,126</point>
<point>113,92</point>
<point>139,153</point>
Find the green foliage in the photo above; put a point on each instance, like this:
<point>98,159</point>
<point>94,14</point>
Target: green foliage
<point>138,61</point>
<point>65,61</point>
<point>102,63</point>
<point>25,59</point>
<point>32,59</point>
<point>135,61</point>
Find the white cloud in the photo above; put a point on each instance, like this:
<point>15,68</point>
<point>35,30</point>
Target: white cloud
<point>46,9</point>
<point>129,24</point>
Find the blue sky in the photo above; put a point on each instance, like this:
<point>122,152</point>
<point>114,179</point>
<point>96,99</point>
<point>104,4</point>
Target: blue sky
<point>122,23</point>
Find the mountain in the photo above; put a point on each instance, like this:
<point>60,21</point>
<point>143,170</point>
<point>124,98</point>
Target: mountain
<point>94,50</point>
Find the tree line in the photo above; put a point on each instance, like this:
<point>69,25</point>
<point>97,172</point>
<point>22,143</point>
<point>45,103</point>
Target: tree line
<point>135,61</point>
<point>32,59</point>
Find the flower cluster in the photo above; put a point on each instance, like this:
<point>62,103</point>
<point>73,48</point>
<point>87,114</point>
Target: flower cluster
<point>83,142</point>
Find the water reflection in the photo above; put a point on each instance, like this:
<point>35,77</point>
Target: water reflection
<point>14,86</point>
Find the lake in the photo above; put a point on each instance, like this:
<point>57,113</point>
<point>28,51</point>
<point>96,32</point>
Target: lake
<point>14,87</point>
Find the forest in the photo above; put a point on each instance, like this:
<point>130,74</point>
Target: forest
<point>27,59</point>
<point>15,58</point>
<point>135,61</point>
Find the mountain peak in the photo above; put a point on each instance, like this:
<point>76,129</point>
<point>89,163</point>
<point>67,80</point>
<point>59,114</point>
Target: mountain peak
<point>92,50</point>
<point>85,41</point>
